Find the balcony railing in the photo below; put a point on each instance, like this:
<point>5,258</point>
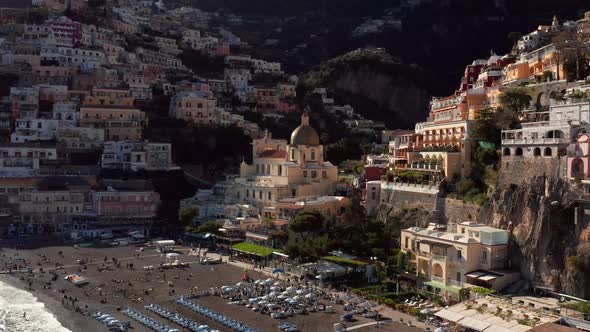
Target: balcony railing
<point>437,279</point>
<point>534,141</point>
<point>454,283</point>
<point>440,258</point>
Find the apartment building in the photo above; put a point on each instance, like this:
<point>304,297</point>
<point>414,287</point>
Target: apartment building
<point>465,255</point>
<point>24,159</point>
<point>135,156</point>
<point>125,206</point>
<point>195,107</point>
<point>118,122</point>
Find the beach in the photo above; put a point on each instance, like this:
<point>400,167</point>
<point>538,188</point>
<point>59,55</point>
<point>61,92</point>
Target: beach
<point>116,279</point>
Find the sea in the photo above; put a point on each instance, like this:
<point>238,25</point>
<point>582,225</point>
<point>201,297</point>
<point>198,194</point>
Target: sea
<point>14,302</point>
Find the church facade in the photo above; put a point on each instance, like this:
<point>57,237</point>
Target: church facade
<point>282,169</point>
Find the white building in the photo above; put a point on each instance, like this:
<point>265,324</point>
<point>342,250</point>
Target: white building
<point>24,159</point>
<point>31,130</point>
<point>135,156</point>
<point>550,134</point>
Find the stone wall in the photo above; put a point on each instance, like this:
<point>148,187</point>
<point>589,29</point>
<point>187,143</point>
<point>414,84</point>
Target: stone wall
<point>457,211</point>
<point>519,170</point>
<point>400,199</point>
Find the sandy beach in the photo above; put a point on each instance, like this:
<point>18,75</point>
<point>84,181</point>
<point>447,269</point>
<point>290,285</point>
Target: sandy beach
<point>117,280</point>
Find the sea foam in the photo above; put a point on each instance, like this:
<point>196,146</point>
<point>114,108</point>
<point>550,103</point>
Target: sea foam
<point>14,302</point>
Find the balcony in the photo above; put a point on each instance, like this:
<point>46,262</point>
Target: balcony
<point>454,283</point>
<point>535,141</point>
<point>439,258</point>
<point>437,279</point>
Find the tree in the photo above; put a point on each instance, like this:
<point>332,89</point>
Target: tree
<point>209,227</point>
<point>306,223</point>
<point>279,237</point>
<point>187,215</point>
<point>576,67</point>
<point>515,100</point>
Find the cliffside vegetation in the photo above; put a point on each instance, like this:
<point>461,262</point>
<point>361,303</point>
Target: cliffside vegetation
<point>378,86</point>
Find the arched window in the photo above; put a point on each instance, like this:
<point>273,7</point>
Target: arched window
<point>518,152</point>
<point>536,152</point>
<point>312,154</point>
<point>506,152</point>
<point>547,152</point>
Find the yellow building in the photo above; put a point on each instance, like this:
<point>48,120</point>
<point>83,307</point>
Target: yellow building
<point>466,255</point>
<point>280,170</point>
<point>119,122</point>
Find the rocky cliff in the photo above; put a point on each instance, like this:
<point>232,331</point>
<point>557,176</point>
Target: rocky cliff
<point>376,84</point>
<point>550,232</point>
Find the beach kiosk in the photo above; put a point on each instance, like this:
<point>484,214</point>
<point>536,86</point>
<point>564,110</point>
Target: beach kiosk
<point>164,245</point>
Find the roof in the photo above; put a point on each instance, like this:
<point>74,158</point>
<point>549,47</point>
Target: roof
<point>278,154</point>
<point>305,135</point>
<point>552,327</point>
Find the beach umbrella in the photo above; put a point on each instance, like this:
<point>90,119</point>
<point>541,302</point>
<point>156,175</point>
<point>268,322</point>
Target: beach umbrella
<point>278,283</point>
<point>440,329</point>
<point>355,300</point>
<point>278,270</point>
<point>346,297</point>
<point>309,296</point>
<point>290,288</point>
<point>426,311</point>
<point>257,281</point>
<point>300,291</point>
<point>269,280</point>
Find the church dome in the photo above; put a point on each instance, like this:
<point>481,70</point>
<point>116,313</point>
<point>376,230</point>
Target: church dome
<point>305,134</point>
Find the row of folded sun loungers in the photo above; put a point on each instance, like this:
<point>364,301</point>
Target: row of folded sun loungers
<point>214,315</point>
<point>148,321</point>
<point>179,319</point>
<point>111,322</point>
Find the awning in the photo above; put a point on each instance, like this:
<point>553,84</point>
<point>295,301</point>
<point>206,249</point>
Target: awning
<point>487,277</point>
<point>451,316</point>
<point>496,328</point>
<point>475,274</point>
<point>280,254</point>
<point>449,288</point>
<point>436,244</point>
<point>256,236</point>
<point>474,324</point>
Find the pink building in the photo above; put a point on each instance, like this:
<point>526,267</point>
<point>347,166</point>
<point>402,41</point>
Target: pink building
<point>125,205</point>
<point>578,167</point>
<point>267,97</point>
<point>401,145</point>
<point>218,49</point>
<point>286,107</point>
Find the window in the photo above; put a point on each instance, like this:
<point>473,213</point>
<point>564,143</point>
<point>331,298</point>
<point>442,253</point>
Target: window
<point>462,230</point>
<point>484,257</point>
<point>293,192</point>
<point>459,276</point>
<point>312,154</point>
<point>280,170</point>
<point>314,174</point>
<point>269,195</point>
<point>407,240</point>
<point>257,168</point>
<point>247,193</point>
<point>324,174</point>
<point>267,169</point>
<point>304,174</point>
<point>459,254</point>
<point>260,194</point>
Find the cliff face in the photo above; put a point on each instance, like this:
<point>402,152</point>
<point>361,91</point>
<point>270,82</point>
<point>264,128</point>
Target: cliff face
<point>549,240</point>
<point>377,85</point>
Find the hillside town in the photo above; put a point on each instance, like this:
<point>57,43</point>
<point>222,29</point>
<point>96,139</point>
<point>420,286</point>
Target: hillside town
<point>120,125</point>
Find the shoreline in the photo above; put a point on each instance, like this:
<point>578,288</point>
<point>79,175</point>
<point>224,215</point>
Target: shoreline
<point>68,319</point>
